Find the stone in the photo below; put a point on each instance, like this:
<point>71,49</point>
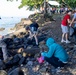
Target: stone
<point>1,29</point>
<point>3,72</point>
<point>30,63</point>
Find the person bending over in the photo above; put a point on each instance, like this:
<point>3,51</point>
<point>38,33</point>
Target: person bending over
<point>33,31</point>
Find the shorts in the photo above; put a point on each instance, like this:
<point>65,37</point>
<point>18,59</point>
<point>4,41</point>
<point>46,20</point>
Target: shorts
<point>65,29</point>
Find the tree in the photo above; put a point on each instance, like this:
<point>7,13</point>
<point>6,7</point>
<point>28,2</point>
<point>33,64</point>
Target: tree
<point>71,3</point>
<point>11,0</point>
<point>34,4</point>
<point>30,3</point>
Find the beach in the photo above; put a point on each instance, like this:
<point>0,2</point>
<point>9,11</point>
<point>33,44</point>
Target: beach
<point>8,23</point>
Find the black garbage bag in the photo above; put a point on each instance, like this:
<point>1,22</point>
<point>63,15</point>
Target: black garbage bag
<point>1,54</point>
<point>8,41</point>
<point>71,31</point>
<point>16,40</point>
<point>14,61</point>
<point>23,60</point>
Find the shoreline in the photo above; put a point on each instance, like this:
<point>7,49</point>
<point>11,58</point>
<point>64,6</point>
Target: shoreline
<point>20,25</point>
<point>8,24</point>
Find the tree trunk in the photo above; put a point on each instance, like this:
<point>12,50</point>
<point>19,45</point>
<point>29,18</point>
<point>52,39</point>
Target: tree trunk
<point>45,9</point>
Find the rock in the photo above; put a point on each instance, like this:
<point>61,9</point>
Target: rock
<point>43,48</point>
<point>11,28</point>
<point>1,29</point>
<point>29,47</point>
<point>1,64</point>
<point>42,70</point>
<point>32,50</point>
<point>42,42</point>
<point>26,21</point>
<point>14,72</point>
<point>24,69</point>
<point>30,63</point>
<point>3,72</point>
<point>19,26</point>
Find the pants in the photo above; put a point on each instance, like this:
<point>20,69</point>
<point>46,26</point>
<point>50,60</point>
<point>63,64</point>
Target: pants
<point>54,61</point>
<point>4,50</point>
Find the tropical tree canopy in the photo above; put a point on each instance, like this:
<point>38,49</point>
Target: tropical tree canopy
<point>71,3</point>
<point>38,3</point>
<point>31,3</point>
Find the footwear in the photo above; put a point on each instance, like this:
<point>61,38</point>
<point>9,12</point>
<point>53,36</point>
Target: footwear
<point>62,41</point>
<point>67,41</point>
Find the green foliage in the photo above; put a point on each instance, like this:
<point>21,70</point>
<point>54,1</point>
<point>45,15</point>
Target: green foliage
<point>71,3</point>
<point>11,0</point>
<point>38,3</point>
<point>31,3</point>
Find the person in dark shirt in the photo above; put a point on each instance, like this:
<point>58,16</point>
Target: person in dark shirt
<point>33,31</point>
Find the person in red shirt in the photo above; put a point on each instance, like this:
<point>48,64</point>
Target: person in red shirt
<point>64,25</point>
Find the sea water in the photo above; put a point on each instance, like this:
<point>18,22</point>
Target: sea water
<point>7,23</point>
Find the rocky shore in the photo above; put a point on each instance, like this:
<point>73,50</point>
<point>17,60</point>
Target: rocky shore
<point>1,29</point>
<point>48,28</point>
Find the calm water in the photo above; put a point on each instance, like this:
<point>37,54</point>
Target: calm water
<point>7,23</point>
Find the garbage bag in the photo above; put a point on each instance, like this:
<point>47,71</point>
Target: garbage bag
<point>14,61</point>
<point>71,31</point>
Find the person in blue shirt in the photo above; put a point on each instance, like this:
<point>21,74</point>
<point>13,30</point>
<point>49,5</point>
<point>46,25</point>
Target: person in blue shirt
<point>56,55</point>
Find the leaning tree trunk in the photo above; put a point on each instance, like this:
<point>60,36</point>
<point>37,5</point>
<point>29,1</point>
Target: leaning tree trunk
<point>45,9</point>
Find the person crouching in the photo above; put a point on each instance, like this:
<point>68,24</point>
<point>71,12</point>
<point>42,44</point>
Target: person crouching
<point>56,55</point>
<point>33,31</point>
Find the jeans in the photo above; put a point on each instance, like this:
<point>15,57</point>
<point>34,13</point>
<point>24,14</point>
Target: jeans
<point>54,61</point>
<point>4,50</point>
